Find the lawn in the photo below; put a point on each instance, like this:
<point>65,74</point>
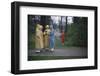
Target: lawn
<point>31,58</point>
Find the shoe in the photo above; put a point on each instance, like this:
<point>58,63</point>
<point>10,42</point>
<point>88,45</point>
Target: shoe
<point>52,49</point>
<point>37,51</point>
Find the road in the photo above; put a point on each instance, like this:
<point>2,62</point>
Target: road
<point>70,51</point>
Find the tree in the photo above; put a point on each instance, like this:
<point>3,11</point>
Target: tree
<point>77,32</point>
<point>66,26</point>
<point>44,20</point>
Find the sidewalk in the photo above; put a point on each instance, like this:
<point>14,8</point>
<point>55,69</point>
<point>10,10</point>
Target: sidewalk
<point>70,51</point>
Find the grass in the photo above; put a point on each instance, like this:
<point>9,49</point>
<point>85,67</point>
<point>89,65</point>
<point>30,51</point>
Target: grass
<point>30,58</point>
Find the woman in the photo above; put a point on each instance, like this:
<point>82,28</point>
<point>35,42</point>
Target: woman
<point>39,38</point>
<point>52,39</point>
<point>62,37</point>
<point>46,37</point>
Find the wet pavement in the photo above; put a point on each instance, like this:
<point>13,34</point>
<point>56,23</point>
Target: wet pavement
<point>70,51</point>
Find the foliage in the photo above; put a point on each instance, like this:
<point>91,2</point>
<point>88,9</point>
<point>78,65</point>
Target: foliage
<point>77,33</point>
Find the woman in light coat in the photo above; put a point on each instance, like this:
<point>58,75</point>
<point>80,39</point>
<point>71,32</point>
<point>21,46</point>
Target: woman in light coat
<point>39,38</point>
<point>46,37</point>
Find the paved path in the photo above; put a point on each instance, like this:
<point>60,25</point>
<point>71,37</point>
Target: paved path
<point>70,51</point>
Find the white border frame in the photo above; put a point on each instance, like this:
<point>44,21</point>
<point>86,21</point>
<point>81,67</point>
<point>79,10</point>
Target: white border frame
<point>24,64</point>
